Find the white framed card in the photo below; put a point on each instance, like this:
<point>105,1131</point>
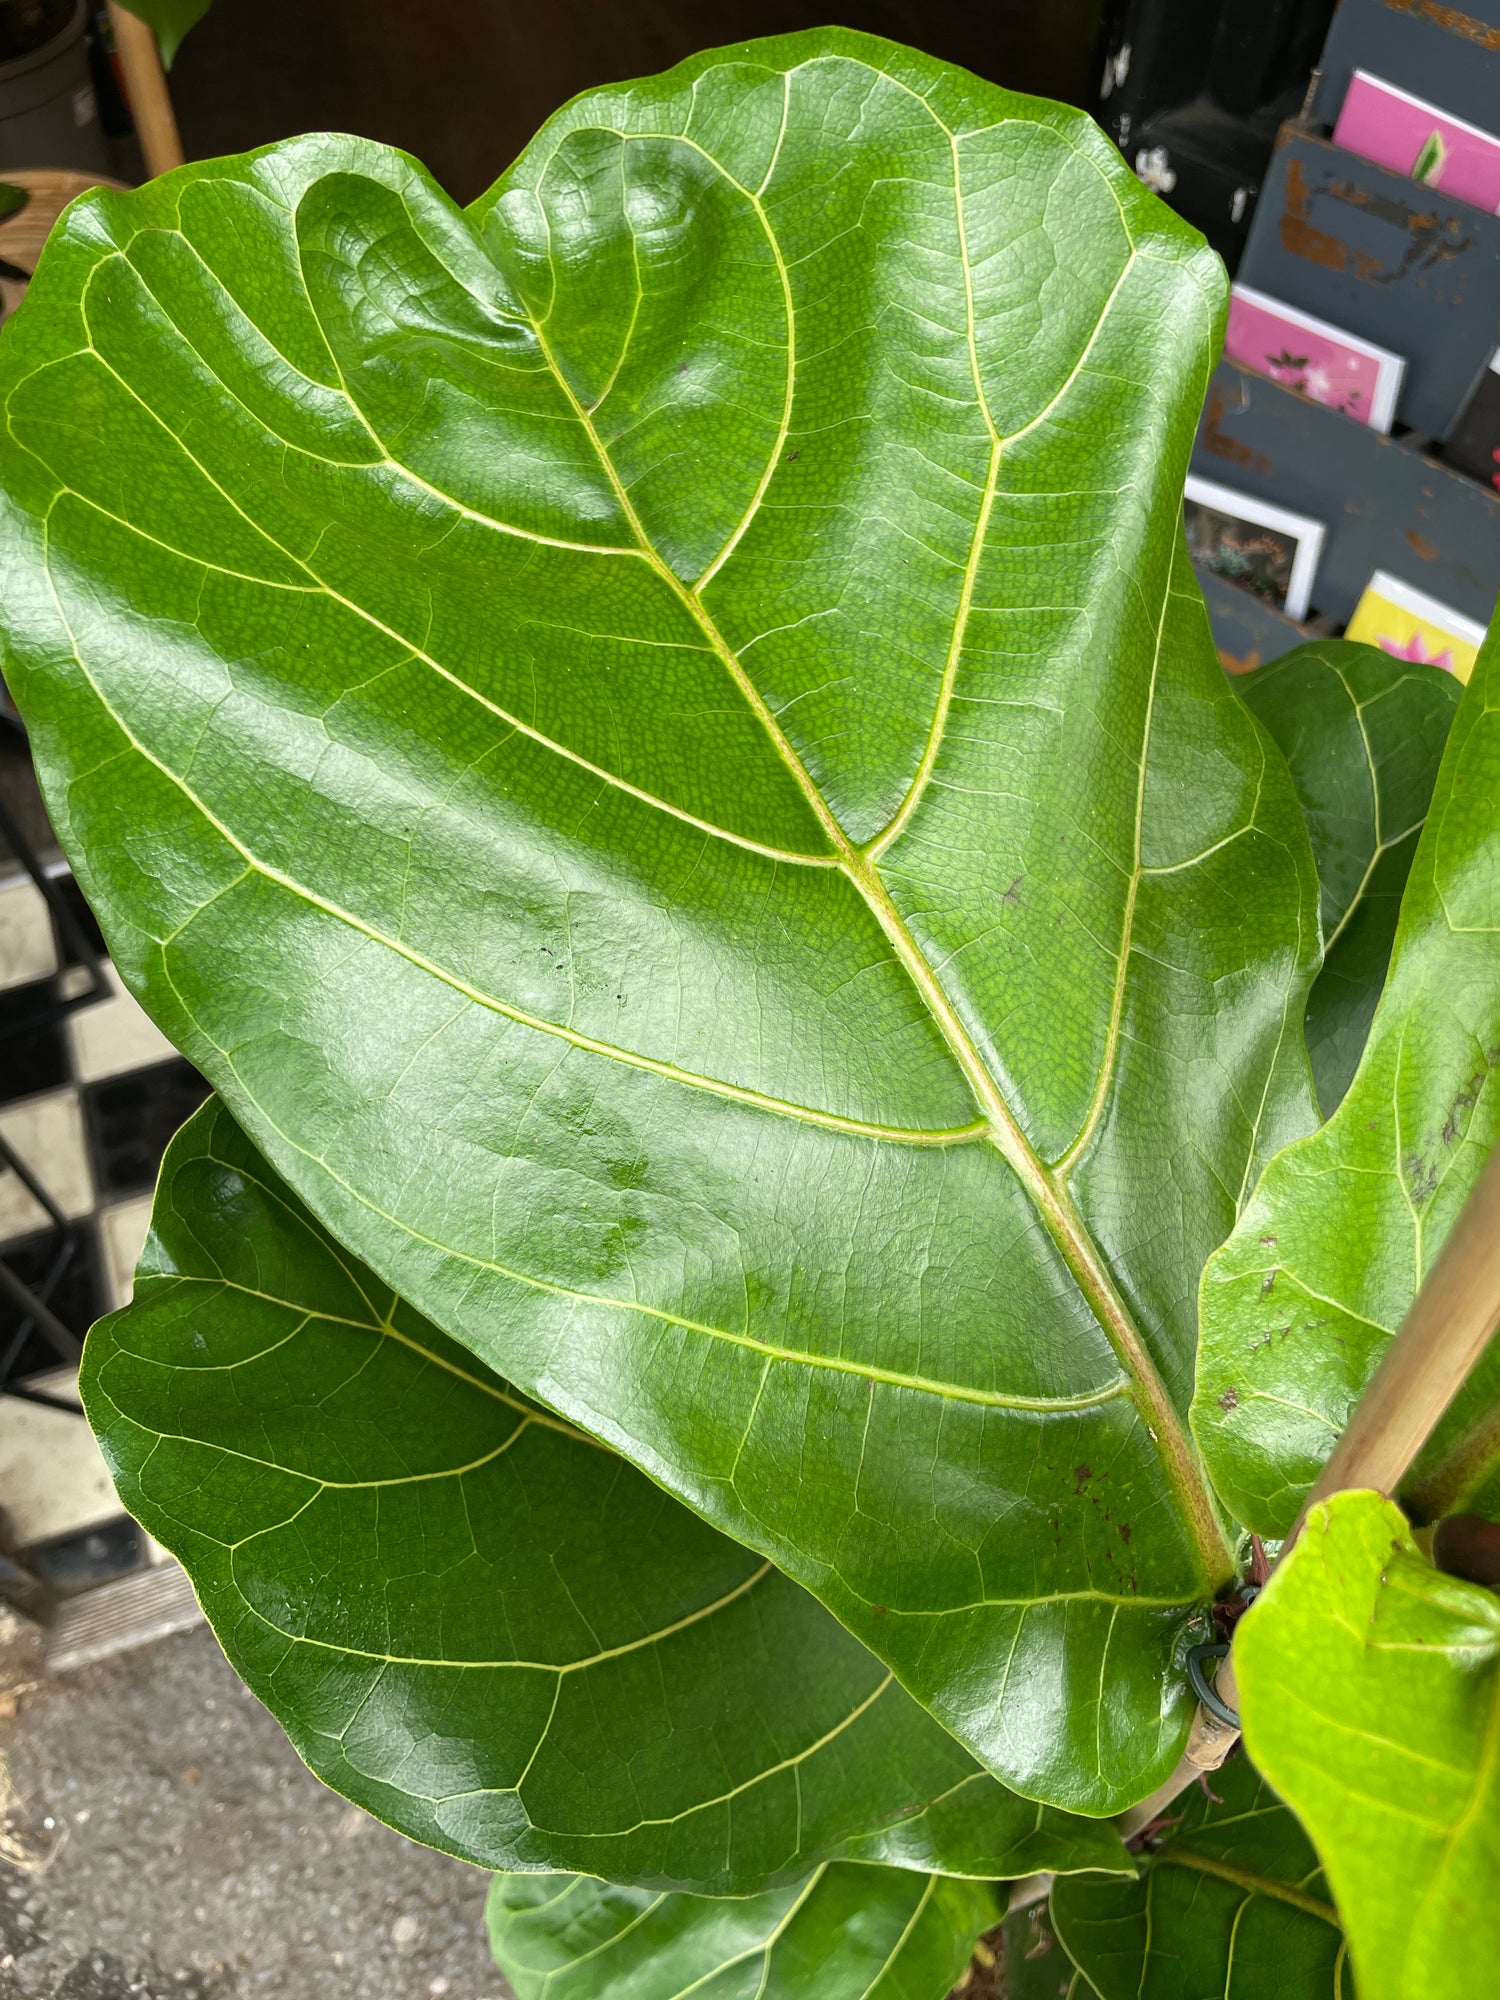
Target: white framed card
<point>1267,550</point>
<point>1318,360</point>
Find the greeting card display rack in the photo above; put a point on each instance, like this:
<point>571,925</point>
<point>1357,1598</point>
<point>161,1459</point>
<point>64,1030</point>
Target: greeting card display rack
<point>1397,262</point>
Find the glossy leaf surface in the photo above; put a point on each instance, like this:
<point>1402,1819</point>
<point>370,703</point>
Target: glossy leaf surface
<point>1370,1690</point>
<point>845,1934</point>
<point>657,742</point>
<point>478,1623</point>
<point>1301,1302</point>
<point>1363,735</point>
<point>1233,1906</point>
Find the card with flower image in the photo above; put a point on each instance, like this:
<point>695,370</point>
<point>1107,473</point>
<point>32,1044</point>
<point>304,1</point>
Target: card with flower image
<point>1410,625</point>
<point>1411,136</point>
<point>1319,361</point>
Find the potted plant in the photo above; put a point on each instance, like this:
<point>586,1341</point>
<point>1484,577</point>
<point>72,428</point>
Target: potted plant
<point>766,1278</point>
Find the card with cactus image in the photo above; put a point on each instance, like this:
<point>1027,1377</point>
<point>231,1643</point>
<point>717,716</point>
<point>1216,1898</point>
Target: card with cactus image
<point>1428,165</point>
<point>1394,129</point>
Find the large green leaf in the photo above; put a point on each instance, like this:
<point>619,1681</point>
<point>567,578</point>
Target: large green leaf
<point>479,1623</point>
<point>1363,735</point>
<point>1370,1689</point>
<point>657,741</point>
<point>1231,1906</point>
<point>1300,1303</point>
<point>844,1934</point>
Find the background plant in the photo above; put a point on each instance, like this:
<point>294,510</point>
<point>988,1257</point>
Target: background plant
<point>656,741</point>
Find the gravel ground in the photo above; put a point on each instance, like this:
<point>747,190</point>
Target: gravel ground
<point>192,1857</point>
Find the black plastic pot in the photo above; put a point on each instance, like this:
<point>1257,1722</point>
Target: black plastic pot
<point>48,113</point>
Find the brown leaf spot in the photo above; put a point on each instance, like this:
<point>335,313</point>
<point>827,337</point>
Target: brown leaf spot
<point>1230,1400</point>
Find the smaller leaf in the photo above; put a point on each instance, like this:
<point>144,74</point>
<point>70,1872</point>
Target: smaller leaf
<point>1369,1690</point>
<point>169,21</point>
<point>1298,1305</point>
<point>476,1623</point>
<point>1364,735</point>
<point>1233,1906</point>
<point>12,199</point>
<point>846,1933</point>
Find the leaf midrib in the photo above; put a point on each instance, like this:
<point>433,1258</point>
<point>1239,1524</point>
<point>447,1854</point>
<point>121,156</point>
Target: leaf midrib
<point>1247,1879</point>
<point>1047,1193</point>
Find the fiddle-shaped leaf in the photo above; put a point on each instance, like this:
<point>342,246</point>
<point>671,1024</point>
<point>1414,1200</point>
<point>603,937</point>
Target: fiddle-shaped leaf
<point>1370,1690</point>
<point>656,740</point>
<point>1301,1302</point>
<point>480,1624</point>
<point>1230,1904</point>
<point>846,1933</point>
<point>1363,735</point>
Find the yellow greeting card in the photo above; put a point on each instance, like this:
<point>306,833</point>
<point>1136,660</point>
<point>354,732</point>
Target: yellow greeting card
<point>1413,626</point>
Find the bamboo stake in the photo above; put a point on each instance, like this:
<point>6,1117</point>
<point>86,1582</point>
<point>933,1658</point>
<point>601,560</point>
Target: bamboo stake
<point>1449,1325</point>
<point>146,88</point>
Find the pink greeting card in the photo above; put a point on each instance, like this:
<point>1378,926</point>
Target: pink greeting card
<point>1397,130</point>
<point>1320,361</point>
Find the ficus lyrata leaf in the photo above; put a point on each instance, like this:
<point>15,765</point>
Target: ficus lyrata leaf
<point>1363,734</point>
<point>846,1933</point>
<point>1231,1905</point>
<point>656,740</point>
<point>1370,1689</point>
<point>480,1624</point>
<point>1301,1302</point>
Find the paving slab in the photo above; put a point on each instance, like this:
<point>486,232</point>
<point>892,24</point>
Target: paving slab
<point>178,1849</point>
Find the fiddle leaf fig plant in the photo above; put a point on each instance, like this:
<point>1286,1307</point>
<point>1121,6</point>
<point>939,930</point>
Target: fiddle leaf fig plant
<point>656,741</point>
